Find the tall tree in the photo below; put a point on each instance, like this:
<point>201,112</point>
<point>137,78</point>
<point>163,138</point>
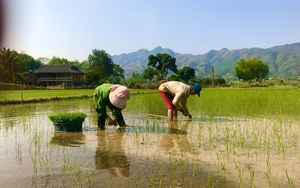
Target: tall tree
<point>100,67</point>
<point>28,62</point>
<point>186,73</point>
<point>135,81</point>
<point>84,65</point>
<point>59,61</point>
<point>251,69</point>
<point>149,73</point>
<point>118,75</point>
<point>8,65</point>
<point>163,63</point>
<point>174,77</point>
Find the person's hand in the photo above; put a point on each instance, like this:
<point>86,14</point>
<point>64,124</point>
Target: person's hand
<point>185,113</point>
<point>115,122</point>
<point>190,116</point>
<point>111,121</point>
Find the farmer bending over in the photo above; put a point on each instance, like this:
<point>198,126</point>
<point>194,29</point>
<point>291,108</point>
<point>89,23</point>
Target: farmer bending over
<point>175,95</point>
<point>115,98</point>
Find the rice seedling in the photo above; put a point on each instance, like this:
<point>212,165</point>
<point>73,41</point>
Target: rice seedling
<point>209,183</point>
<point>240,175</point>
<point>76,174</point>
<point>269,172</point>
<point>44,164</point>
<point>19,153</point>
<point>221,164</point>
<point>161,176</point>
<point>89,180</point>
<point>290,181</point>
<point>251,178</point>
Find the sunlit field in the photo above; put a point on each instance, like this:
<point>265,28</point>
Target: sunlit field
<point>236,138</point>
<point>28,95</point>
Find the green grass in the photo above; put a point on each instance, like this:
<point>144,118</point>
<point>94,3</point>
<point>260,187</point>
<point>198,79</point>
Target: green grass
<point>213,101</point>
<point>42,94</point>
<point>228,102</point>
<point>18,95</point>
<point>250,101</point>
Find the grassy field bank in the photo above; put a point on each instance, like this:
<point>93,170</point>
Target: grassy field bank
<point>229,102</point>
<point>250,101</point>
<point>28,95</point>
<point>213,101</point>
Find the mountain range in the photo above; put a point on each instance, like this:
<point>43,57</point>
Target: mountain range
<point>283,60</point>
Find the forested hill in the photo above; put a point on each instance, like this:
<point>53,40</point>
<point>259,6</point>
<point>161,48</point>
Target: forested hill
<point>283,61</point>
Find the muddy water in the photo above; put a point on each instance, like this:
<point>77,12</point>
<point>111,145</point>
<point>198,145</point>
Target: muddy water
<point>150,152</point>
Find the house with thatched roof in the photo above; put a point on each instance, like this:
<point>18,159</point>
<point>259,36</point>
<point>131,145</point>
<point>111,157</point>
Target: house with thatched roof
<point>57,75</point>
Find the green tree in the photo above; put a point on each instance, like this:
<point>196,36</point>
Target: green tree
<point>149,73</point>
<point>251,69</point>
<point>186,73</point>
<point>118,75</point>
<point>8,65</point>
<point>80,65</point>
<point>84,65</point>
<point>174,77</point>
<point>59,61</point>
<point>100,67</point>
<point>135,81</point>
<point>162,63</point>
<point>28,62</point>
<point>43,60</point>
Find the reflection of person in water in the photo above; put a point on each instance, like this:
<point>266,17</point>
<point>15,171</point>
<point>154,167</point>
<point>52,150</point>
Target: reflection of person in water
<point>110,154</point>
<point>175,140</point>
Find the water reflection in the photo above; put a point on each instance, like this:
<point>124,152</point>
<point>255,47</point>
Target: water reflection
<point>71,139</point>
<point>9,111</point>
<point>157,128</point>
<point>176,141</point>
<point>213,119</point>
<point>151,150</point>
<point>110,154</point>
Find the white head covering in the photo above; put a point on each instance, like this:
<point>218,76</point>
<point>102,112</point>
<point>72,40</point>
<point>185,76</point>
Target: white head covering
<point>119,95</point>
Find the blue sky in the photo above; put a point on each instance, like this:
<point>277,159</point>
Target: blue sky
<point>73,28</point>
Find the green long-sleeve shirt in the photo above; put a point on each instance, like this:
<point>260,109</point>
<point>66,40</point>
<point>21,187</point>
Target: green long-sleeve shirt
<point>101,101</point>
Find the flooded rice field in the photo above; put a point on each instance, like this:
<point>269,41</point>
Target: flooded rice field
<point>150,152</point>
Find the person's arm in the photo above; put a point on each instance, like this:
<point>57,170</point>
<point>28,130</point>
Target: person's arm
<point>119,119</point>
<point>185,110</point>
<point>179,102</point>
<point>176,101</point>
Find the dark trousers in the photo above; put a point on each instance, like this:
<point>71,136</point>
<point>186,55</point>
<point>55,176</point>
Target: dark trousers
<point>120,120</point>
<point>101,123</point>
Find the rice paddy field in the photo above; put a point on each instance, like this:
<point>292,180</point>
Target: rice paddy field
<point>236,138</point>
